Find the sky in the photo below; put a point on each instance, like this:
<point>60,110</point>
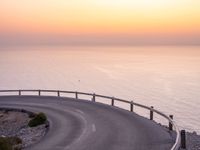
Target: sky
<point>78,22</point>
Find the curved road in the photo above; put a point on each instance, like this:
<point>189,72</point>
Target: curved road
<point>83,125</point>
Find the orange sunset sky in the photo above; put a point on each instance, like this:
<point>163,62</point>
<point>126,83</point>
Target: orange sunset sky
<point>100,21</point>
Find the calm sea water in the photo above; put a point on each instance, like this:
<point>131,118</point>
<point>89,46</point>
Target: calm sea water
<point>166,77</point>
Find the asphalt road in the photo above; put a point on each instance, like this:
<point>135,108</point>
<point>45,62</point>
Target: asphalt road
<point>84,125</point>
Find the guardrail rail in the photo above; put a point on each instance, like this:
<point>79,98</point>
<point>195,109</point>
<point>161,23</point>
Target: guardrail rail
<point>172,124</point>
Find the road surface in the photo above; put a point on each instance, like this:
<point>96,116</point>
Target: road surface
<point>83,125</point>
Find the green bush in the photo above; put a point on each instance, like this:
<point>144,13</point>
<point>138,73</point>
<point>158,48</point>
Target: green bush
<point>4,144</point>
<point>37,120</point>
<point>9,143</point>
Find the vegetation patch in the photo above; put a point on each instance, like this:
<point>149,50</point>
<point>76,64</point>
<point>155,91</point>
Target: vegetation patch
<point>38,119</point>
<point>10,143</point>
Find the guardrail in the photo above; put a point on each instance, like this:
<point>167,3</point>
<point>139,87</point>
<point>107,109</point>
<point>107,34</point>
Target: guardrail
<point>58,93</point>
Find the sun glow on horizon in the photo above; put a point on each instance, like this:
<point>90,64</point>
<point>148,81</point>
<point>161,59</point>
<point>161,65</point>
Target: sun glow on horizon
<point>100,17</point>
<point>129,3</point>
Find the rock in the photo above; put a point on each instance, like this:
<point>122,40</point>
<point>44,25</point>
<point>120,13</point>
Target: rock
<point>17,147</point>
<point>47,125</point>
<point>194,132</point>
<point>193,141</point>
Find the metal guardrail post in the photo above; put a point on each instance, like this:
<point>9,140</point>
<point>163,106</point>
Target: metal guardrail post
<point>112,101</point>
<point>20,93</point>
<point>76,95</point>
<point>58,93</point>
<point>151,113</point>
<point>131,106</point>
<point>170,124</point>
<point>39,93</point>
<point>93,98</point>
<point>183,139</point>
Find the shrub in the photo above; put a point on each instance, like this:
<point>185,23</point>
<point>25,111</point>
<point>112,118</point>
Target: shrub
<point>9,143</point>
<point>14,140</point>
<point>37,120</point>
<point>4,144</point>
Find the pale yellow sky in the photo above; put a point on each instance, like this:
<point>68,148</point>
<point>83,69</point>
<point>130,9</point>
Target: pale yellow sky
<point>161,18</point>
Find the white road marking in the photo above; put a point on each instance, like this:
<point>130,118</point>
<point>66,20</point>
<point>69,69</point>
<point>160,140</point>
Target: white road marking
<point>81,112</point>
<point>86,129</point>
<point>93,128</point>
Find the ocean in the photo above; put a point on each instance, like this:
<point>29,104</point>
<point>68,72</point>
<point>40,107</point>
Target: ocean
<point>166,77</point>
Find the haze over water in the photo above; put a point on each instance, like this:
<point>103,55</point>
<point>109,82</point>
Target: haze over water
<point>166,77</point>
